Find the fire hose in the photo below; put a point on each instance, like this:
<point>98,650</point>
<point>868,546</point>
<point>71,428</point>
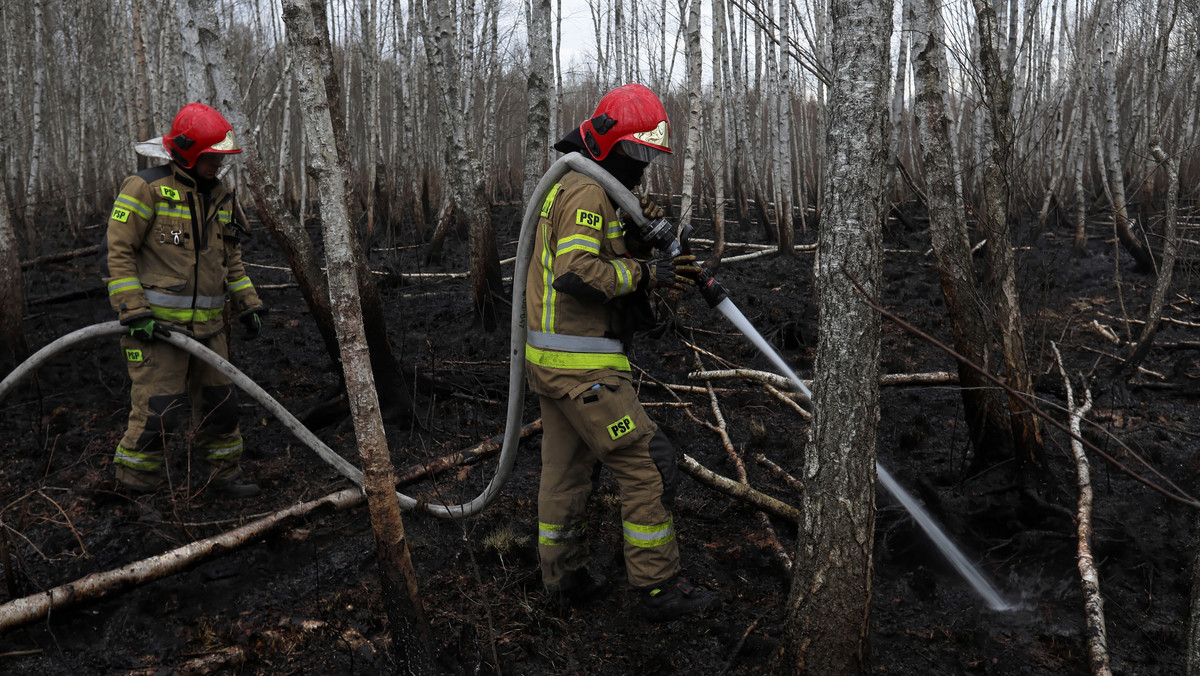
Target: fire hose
<point>658,233</point>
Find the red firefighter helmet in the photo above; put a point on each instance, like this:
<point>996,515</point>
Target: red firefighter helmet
<point>630,117</point>
<point>199,129</point>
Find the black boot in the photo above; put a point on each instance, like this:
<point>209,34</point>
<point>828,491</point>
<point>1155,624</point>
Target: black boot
<point>579,587</point>
<point>674,599</point>
<point>231,482</point>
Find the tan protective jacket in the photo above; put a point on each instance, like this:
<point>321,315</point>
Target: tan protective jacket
<point>580,273</point>
<point>174,255</point>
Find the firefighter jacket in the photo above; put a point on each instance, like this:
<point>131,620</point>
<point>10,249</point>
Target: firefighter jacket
<point>174,255</point>
<point>579,279</point>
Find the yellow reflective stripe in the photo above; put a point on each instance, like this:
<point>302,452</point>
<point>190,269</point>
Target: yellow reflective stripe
<point>134,204</point>
<point>577,243</point>
<point>576,360</point>
<point>225,451</point>
<point>624,276</point>
<point>185,316</point>
<point>549,295</point>
<point>613,230</point>
<point>648,536</point>
<point>239,284</point>
<point>224,216</point>
<point>123,284</point>
<point>548,203</point>
<point>136,460</point>
<point>164,209</point>
<point>554,535</point>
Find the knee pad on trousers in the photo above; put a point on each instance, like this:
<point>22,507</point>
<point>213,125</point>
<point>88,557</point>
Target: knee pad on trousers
<point>221,411</point>
<point>167,413</point>
<point>663,455</point>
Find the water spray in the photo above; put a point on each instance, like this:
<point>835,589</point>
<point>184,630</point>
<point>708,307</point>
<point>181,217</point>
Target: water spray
<point>660,234</point>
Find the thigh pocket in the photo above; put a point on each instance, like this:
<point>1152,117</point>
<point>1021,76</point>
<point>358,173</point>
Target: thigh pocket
<point>609,417</point>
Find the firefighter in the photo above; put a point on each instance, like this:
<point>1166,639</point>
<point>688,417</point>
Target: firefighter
<point>173,258</point>
<point>581,292</point>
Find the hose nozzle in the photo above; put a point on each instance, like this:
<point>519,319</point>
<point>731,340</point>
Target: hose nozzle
<point>710,289</point>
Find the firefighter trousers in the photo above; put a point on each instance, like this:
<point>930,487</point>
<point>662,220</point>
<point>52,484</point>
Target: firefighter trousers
<point>165,380</point>
<point>605,423</point>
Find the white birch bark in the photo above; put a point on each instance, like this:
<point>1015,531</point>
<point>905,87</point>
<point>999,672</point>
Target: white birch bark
<point>826,628</point>
<point>982,406</point>
<point>695,56</point>
<point>1113,168</point>
<point>719,159</point>
<point>408,625</point>
<point>993,207</point>
<point>35,126</point>
<point>783,135</point>
<point>368,12</point>
<point>537,91</point>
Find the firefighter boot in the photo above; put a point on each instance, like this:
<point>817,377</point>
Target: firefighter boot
<point>138,481</point>
<point>674,599</point>
<point>579,587</point>
<point>227,479</point>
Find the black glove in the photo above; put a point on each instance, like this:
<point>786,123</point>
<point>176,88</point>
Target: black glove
<point>253,322</point>
<point>672,273</point>
<point>145,328</point>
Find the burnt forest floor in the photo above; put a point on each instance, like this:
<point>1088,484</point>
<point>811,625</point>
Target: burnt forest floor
<point>307,601</point>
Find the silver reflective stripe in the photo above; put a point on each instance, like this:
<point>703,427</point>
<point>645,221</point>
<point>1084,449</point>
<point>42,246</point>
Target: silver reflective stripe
<point>564,343</point>
<point>167,300</point>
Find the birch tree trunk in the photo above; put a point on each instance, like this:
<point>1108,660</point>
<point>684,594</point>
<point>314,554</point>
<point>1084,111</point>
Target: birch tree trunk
<point>983,404</point>
<point>1113,168</point>
<point>1166,270</point>
<point>537,92</point>
<point>695,58</point>
<point>409,629</point>
<point>209,53</point>
<point>12,291</point>
<point>141,83</point>
<point>719,160</point>
<point>994,219</point>
<point>465,174</point>
<point>783,117</point>
<point>370,78</point>
<point>828,610</point>
<point>35,131</point>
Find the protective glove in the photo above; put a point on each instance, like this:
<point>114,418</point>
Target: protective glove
<point>672,273</point>
<point>145,328</point>
<point>253,323</point>
<point>649,209</point>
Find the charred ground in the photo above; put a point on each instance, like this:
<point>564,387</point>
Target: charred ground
<point>306,602</point>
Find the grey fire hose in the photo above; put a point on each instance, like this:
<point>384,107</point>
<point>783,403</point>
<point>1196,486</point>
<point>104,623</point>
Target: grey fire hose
<point>657,233</point>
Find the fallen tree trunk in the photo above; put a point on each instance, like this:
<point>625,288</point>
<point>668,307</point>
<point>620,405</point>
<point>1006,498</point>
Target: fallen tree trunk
<point>768,378</point>
<point>1096,636</point>
<point>94,587</point>
<point>478,452</point>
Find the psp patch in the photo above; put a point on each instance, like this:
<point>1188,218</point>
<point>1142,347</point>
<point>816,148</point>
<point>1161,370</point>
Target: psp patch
<point>620,428</point>
<point>120,214</point>
<point>133,355</point>
<point>588,219</point>
<point>170,193</point>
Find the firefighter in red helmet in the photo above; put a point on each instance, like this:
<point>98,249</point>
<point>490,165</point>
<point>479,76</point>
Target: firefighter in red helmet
<point>174,258</point>
<point>582,287</point>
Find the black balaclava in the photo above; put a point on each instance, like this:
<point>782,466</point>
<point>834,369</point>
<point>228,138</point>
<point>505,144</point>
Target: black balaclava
<point>203,185</point>
<point>625,169</point>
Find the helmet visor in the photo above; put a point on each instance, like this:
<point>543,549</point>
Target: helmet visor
<point>643,153</point>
